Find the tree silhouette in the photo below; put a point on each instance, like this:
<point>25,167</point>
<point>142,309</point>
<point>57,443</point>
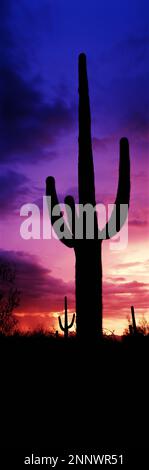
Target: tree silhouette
<point>9,299</point>
<point>88,268</point>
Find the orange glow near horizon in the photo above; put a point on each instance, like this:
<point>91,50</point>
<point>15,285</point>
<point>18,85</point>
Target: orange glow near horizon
<point>49,322</point>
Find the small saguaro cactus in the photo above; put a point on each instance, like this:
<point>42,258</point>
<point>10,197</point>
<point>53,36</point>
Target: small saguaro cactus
<point>134,326</point>
<point>66,326</point>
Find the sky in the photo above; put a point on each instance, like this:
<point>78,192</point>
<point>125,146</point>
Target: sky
<point>39,46</point>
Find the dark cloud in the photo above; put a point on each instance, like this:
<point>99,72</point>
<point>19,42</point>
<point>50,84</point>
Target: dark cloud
<point>119,296</point>
<point>122,96</point>
<point>129,98</point>
<point>29,126</point>
<point>138,223</point>
<point>42,294</point>
<point>99,144</point>
<point>118,279</point>
<point>136,46</point>
<point>40,291</point>
<point>130,51</point>
<point>13,189</point>
<point>6,42</point>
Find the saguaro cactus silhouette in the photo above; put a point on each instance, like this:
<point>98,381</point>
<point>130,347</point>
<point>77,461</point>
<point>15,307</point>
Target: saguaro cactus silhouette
<point>134,326</point>
<point>66,327</point>
<point>88,267</point>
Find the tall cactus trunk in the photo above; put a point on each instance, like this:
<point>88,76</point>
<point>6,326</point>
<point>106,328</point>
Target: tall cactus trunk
<point>89,291</point>
<point>88,254</point>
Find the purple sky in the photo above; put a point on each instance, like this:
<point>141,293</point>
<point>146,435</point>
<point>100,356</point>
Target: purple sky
<point>39,47</point>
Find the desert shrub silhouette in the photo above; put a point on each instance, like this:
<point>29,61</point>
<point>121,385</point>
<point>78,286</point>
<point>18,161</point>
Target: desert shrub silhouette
<point>9,299</point>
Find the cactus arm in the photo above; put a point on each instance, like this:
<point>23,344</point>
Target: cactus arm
<point>51,191</point>
<point>115,223</point>
<point>72,322</point>
<point>60,324</point>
